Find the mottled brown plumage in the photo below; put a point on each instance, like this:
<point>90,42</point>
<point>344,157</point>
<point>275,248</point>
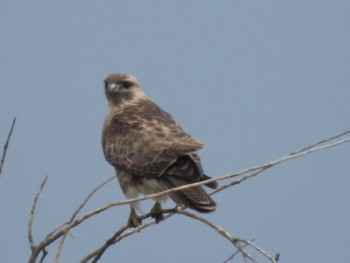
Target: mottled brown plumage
<point>149,149</point>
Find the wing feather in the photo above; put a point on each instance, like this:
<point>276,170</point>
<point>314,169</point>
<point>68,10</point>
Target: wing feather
<point>145,141</point>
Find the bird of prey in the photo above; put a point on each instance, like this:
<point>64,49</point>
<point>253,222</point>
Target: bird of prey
<point>149,150</point>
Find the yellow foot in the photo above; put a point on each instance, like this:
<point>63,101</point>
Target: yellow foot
<point>156,212</point>
<point>134,220</point>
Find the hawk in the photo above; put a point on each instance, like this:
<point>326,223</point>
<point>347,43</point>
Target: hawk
<point>149,150</point>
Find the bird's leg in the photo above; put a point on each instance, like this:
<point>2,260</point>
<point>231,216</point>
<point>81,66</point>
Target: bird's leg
<point>134,220</point>
<point>156,212</point>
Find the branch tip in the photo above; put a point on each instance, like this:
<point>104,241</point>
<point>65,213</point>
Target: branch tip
<point>6,146</point>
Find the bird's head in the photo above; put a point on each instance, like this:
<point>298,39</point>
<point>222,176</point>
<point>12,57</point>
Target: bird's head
<point>120,87</point>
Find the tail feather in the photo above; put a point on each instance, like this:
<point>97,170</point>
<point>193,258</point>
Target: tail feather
<point>212,185</point>
<point>195,197</point>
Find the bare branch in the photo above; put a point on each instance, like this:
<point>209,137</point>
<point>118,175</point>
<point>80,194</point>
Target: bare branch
<point>60,247</point>
<point>259,249</point>
<point>323,141</point>
<point>43,256</point>
<point>120,234</point>
<point>98,253</point>
<point>239,243</point>
<point>5,148</point>
<point>239,180</point>
<point>234,254</point>
<point>234,240</point>
<point>34,248</point>
<point>32,212</point>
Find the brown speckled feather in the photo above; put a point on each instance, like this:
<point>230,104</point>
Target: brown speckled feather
<point>145,141</point>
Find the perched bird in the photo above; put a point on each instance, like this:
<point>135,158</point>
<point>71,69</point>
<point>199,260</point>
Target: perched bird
<point>149,150</point>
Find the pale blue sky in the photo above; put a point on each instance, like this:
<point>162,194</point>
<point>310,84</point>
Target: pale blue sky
<point>254,80</point>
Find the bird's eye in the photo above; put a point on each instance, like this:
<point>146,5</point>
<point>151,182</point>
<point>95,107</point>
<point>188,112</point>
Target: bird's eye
<point>127,84</point>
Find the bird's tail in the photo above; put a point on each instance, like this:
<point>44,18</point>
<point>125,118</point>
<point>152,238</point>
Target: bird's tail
<point>195,197</point>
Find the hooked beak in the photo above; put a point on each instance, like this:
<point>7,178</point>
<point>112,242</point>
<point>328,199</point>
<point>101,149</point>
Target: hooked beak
<point>112,88</point>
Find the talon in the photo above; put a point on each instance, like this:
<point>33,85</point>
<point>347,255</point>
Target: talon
<point>156,212</point>
<point>134,220</point>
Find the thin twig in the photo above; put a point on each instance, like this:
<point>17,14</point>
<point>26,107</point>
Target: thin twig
<point>5,147</point>
<point>32,212</point>
<point>120,234</point>
<point>43,256</point>
<point>235,253</point>
<point>108,243</point>
<point>35,249</point>
<point>60,247</point>
<point>234,240</point>
<point>259,249</point>
<point>323,141</point>
<point>239,180</point>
